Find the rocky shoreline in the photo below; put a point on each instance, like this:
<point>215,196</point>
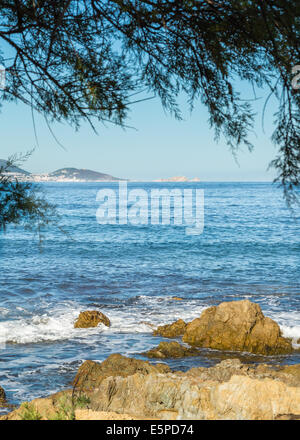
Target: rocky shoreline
<point>122,388</point>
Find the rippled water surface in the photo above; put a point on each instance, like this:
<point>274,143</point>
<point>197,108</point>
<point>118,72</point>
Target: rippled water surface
<point>250,248</point>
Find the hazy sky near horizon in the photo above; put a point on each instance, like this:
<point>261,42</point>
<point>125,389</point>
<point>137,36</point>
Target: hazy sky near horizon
<point>160,146</point>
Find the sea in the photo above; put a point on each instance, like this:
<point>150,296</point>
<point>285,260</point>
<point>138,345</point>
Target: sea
<point>249,249</point>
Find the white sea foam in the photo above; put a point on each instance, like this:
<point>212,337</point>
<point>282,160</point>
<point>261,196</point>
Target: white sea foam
<point>41,328</point>
<point>4,311</point>
<point>291,332</point>
<point>289,323</point>
<point>138,317</point>
<point>58,323</point>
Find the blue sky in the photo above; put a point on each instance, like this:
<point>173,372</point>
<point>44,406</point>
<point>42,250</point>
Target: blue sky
<point>160,146</point>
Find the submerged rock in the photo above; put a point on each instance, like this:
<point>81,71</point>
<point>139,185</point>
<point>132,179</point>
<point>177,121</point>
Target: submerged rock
<point>91,318</point>
<point>237,325</point>
<point>2,397</point>
<point>171,350</point>
<point>173,330</point>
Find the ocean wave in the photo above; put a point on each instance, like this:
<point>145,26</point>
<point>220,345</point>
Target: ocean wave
<point>291,332</point>
<point>42,328</point>
<point>58,324</point>
<point>289,323</point>
<point>142,315</point>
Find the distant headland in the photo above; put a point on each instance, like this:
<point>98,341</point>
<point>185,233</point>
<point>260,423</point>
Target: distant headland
<point>61,175</point>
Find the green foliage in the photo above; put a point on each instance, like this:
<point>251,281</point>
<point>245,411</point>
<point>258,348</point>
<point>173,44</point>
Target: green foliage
<point>66,406</point>
<point>76,61</point>
<point>29,412</point>
<point>22,203</point>
<point>65,410</point>
<point>82,401</point>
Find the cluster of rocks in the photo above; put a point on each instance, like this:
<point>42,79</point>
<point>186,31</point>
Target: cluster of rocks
<point>229,390</point>
<point>136,389</point>
<point>234,326</point>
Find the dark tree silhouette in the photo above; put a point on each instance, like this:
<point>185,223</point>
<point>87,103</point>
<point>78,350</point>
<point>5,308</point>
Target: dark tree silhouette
<point>22,203</point>
<point>79,60</point>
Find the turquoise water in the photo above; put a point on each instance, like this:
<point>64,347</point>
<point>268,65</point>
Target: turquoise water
<point>250,248</point>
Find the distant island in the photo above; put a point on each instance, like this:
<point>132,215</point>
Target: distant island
<point>61,175</point>
<point>178,179</point>
<point>75,174</point>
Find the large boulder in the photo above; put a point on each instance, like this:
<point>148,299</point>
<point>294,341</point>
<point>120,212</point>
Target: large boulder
<point>173,330</point>
<point>91,318</point>
<point>171,350</point>
<point>91,373</point>
<point>237,325</point>
<point>2,397</point>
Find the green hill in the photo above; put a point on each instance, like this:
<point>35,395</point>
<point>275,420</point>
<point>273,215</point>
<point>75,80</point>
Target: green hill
<point>82,174</point>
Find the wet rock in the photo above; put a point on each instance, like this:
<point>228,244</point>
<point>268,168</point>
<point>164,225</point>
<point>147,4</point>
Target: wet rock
<point>91,373</point>
<point>237,325</point>
<point>91,318</point>
<point>2,397</point>
<point>173,330</point>
<point>171,350</point>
